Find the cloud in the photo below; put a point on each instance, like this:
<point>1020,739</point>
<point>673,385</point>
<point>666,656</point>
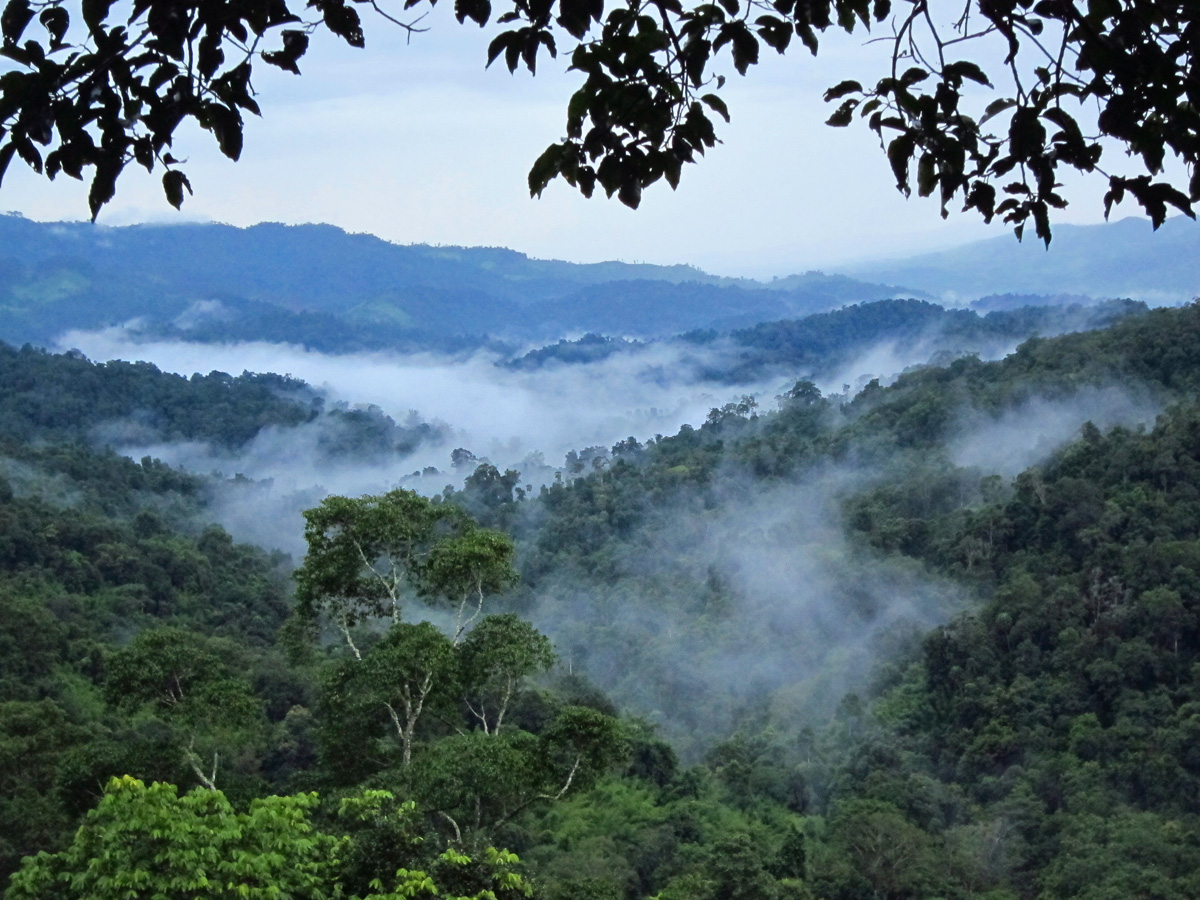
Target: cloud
<point>721,607</point>
<point>1016,438</point>
<point>494,411</point>
<point>507,417</point>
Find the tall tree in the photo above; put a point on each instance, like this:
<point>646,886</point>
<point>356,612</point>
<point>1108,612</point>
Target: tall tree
<point>367,555</point>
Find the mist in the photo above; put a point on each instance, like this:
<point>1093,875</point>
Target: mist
<point>728,609</point>
<point>1016,438</point>
<point>729,606</point>
<point>522,419</point>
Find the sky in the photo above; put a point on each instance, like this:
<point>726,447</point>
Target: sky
<point>417,142</point>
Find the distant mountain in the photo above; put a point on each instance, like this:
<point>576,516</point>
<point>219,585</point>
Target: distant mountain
<point>1118,259</point>
<point>320,286</point>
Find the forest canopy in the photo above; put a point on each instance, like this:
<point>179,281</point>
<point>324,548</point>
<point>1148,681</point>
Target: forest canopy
<point>1027,733</point>
<point>984,103</point>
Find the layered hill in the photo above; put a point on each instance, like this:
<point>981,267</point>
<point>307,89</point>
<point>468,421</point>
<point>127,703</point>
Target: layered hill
<point>322,287</point>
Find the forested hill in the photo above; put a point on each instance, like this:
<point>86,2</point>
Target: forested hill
<point>319,286</point>
<point>66,398</point>
<point>862,340</point>
<point>936,639</point>
<point>1039,743</point>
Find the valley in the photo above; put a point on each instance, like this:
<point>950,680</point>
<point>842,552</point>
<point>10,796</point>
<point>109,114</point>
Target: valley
<point>817,589</point>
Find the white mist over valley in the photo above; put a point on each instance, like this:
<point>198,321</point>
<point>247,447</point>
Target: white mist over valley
<point>527,420</point>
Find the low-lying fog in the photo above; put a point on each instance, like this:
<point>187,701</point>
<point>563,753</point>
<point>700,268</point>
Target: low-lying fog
<point>812,613</point>
<point>526,420</point>
<point>522,419</point>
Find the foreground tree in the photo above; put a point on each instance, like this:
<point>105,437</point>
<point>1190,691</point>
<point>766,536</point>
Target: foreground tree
<point>407,675</point>
<point>148,842</point>
<point>980,101</point>
<point>496,657</point>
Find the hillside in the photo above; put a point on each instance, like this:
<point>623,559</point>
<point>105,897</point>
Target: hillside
<point>1126,258</point>
<point>848,647</point>
<point>319,286</point>
<point>858,342</point>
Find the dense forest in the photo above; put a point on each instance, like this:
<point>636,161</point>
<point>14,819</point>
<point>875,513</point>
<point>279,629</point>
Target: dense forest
<point>820,646</point>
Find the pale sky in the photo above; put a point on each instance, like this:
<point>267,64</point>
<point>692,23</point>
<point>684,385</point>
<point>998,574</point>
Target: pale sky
<point>419,143</point>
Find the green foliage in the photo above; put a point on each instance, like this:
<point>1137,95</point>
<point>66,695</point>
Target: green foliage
<point>389,690</point>
<point>64,397</point>
<point>147,841</point>
<point>366,555</point>
<point>496,656</point>
<point>1041,743</point>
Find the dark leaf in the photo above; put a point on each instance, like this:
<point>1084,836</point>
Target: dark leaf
<point>808,36</point>
<point>226,126</point>
<point>996,107</point>
<point>776,32</point>
<point>1099,10</point>
<point>1041,221</point>
<point>672,168</point>
<point>964,69</point>
<point>13,20</point>
<point>630,193</point>
<point>104,185</point>
<point>282,60</point>
<point>899,153</point>
<point>6,155</point>
<point>1062,119</point>
<point>28,152</point>
<point>745,52</point>
<point>841,90</point>
<point>55,20</point>
<point>174,183</point>
<point>1026,134</point>
<point>478,11</point>
<point>94,13</point>
<point>345,23</point>
<point>143,153</point>
<point>498,45</point>
<point>844,113</point>
<point>716,104</point>
<point>926,175</point>
<point>545,168</point>
<point>210,55</point>
<point>982,197</point>
<point>1114,195</point>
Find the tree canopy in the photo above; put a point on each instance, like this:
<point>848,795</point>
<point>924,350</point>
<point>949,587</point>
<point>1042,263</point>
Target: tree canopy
<point>987,102</point>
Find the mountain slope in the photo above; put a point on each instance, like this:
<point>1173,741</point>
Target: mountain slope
<point>1119,259</point>
<point>318,285</point>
